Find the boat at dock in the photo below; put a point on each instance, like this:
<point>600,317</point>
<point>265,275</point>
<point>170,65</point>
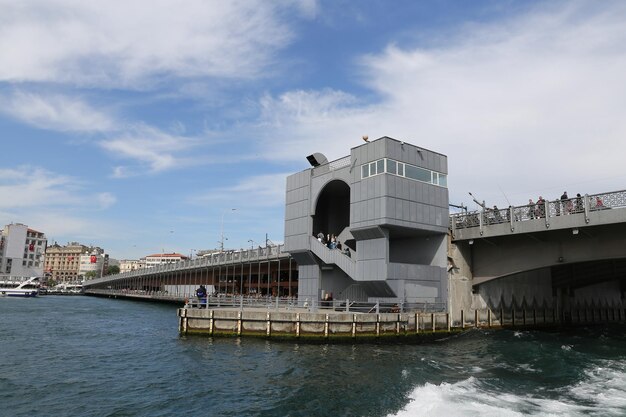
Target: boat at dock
<point>19,287</point>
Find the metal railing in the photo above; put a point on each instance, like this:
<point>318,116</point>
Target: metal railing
<point>541,210</point>
<point>339,163</point>
<point>214,259</point>
<point>286,303</point>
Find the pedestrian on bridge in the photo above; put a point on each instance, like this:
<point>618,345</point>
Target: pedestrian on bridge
<point>531,209</point>
<point>567,205</point>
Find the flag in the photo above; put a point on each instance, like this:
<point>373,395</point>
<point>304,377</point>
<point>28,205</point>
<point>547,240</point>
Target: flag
<point>93,259</point>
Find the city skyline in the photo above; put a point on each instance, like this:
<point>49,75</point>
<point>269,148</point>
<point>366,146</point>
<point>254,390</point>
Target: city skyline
<point>138,127</point>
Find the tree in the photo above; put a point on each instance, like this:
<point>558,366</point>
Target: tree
<point>113,269</point>
<point>90,274</point>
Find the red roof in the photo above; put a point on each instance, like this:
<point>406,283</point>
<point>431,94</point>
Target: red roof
<point>167,255</point>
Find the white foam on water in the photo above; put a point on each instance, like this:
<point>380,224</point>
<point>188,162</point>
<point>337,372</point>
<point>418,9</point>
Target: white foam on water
<point>602,392</point>
<point>566,348</point>
<point>604,385</point>
<point>526,367</point>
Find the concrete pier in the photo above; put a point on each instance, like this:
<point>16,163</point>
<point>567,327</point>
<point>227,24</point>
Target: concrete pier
<point>301,323</point>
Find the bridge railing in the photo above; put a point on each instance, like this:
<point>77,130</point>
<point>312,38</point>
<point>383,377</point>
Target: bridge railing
<point>214,259</point>
<point>541,210</point>
<point>286,303</point>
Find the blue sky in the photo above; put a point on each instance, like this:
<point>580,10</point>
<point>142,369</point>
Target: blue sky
<point>137,126</point>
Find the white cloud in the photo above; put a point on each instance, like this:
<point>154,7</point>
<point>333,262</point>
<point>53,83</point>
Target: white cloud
<point>105,200</point>
<point>259,191</point>
<point>132,43</point>
<point>151,147</point>
<point>532,105</point>
<point>28,187</point>
<point>56,112</point>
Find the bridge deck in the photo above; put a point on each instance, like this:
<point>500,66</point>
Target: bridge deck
<point>573,213</point>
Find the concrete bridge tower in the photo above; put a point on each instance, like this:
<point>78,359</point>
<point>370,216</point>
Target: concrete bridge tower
<point>387,202</point>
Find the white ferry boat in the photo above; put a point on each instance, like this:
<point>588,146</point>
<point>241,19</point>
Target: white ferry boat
<point>19,287</point>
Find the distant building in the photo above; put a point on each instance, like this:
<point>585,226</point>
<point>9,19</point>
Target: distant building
<point>22,251</point>
<point>127,265</point>
<point>73,261</point>
<point>163,258</point>
<point>93,263</point>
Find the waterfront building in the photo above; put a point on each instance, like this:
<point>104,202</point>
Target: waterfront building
<point>69,263</point>
<point>163,258</point>
<point>22,251</point>
<point>127,265</point>
<point>387,205</point>
<point>93,263</point>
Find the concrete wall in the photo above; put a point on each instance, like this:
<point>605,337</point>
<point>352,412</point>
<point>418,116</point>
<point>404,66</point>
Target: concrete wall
<point>297,212</point>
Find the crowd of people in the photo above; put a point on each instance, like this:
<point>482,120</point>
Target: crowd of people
<point>537,210</point>
<point>331,242</point>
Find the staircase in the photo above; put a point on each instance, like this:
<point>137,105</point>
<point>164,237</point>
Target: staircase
<point>333,257</point>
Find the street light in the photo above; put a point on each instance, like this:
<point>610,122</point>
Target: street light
<point>251,242</point>
<point>222,229</point>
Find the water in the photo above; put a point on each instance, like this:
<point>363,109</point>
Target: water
<point>84,356</point>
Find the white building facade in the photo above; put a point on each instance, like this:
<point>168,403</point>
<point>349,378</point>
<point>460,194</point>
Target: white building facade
<point>22,251</point>
<point>93,263</point>
<point>127,265</point>
<point>164,258</point>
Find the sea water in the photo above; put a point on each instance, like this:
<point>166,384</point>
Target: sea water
<point>85,356</point>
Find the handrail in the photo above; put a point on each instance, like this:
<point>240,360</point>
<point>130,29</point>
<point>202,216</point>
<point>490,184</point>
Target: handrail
<point>215,259</point>
<point>280,303</point>
<point>541,210</point>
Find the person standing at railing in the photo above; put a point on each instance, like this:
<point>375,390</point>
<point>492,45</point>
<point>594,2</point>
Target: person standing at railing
<point>541,208</point>
<point>496,214</point>
<point>566,203</point>
<point>579,204</point>
<point>531,209</point>
<point>320,237</point>
<point>201,294</point>
<point>599,203</point>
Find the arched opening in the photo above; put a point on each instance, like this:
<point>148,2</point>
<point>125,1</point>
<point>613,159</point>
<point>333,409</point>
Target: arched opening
<point>332,211</point>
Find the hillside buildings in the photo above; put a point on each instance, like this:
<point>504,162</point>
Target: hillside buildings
<point>22,251</point>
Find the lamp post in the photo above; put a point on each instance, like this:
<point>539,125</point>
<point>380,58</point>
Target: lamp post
<point>251,242</point>
<point>222,229</point>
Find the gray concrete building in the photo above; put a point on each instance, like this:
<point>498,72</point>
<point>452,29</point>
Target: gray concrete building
<point>387,205</point>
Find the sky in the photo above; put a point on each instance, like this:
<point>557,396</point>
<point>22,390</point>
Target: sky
<point>138,126</point>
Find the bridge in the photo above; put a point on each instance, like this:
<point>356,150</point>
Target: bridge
<point>571,250</point>
<point>387,203</point>
<point>259,272</point>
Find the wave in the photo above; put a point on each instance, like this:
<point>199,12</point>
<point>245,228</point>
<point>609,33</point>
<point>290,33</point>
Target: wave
<point>602,392</point>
